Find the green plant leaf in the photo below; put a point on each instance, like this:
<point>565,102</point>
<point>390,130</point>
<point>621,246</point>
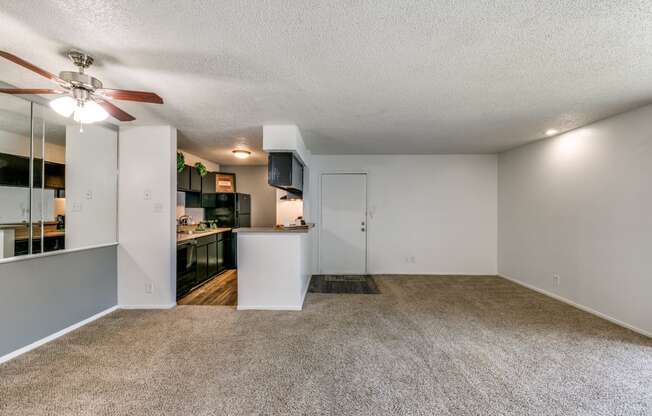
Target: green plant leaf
<point>201,169</point>
<point>181,162</point>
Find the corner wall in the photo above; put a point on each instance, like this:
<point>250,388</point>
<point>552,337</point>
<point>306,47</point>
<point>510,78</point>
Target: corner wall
<point>580,206</point>
<point>146,209</point>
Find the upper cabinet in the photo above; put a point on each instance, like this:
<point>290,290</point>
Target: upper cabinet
<point>195,180</point>
<point>189,180</point>
<point>225,182</point>
<point>14,171</point>
<point>285,171</point>
<point>208,183</point>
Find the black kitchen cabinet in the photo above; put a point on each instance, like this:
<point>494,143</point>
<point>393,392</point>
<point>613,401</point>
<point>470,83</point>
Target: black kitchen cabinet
<point>186,266</point>
<point>230,250</point>
<point>21,247</point>
<point>202,258</point>
<point>14,171</point>
<point>55,175</point>
<point>285,171</point>
<point>213,259</point>
<point>193,200</point>
<point>208,183</point>
<point>189,180</point>
<point>195,180</point>
<point>183,179</point>
<point>202,264</point>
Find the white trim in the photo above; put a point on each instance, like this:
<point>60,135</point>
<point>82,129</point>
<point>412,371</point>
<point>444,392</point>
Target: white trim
<point>579,306</point>
<point>56,335</point>
<point>55,253</point>
<point>269,308</point>
<point>165,306</point>
<point>414,274</point>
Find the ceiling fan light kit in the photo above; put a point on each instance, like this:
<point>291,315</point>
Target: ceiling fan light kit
<point>85,98</point>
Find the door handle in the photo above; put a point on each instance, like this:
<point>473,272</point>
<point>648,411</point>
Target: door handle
<point>362,229</point>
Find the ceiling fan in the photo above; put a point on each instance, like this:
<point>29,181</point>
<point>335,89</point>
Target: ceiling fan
<point>84,96</point>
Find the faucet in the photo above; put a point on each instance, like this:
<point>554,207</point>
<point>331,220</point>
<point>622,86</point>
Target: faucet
<point>184,220</point>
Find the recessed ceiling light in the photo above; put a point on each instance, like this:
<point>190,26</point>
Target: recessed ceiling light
<point>241,154</point>
<point>551,132</point>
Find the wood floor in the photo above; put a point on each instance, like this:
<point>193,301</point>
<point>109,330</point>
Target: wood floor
<point>220,290</point>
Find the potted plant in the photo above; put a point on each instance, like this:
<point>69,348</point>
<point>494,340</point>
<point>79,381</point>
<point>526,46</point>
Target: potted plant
<point>181,162</point>
<point>201,169</point>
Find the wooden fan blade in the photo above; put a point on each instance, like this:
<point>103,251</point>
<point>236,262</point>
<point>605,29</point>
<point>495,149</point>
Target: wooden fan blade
<point>140,96</point>
<point>33,68</point>
<point>115,111</point>
<point>30,91</point>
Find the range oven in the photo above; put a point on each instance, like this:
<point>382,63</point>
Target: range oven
<point>186,266</point>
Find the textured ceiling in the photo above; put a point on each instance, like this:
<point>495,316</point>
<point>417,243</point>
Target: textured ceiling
<point>375,76</point>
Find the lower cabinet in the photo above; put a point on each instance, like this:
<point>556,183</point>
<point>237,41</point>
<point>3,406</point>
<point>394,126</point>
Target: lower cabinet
<point>202,258</point>
<point>21,247</point>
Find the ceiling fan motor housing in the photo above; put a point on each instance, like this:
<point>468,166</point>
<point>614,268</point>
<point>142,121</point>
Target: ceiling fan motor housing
<point>81,80</point>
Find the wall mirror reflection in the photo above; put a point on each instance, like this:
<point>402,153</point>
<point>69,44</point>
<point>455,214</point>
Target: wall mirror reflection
<point>58,183</point>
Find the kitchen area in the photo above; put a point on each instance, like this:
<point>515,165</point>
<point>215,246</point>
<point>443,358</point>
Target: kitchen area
<point>221,208</point>
<point>208,209</point>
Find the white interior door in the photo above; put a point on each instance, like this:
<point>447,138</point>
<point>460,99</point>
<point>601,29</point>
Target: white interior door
<point>342,238</point>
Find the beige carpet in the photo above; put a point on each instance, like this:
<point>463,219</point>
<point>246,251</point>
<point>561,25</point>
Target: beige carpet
<point>425,346</point>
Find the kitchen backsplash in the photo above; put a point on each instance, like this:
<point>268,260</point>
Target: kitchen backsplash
<point>197,214</point>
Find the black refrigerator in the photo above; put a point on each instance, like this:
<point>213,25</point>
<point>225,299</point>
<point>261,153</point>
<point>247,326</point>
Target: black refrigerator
<point>231,210</point>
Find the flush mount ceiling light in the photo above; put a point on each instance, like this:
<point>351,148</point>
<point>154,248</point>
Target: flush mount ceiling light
<point>241,154</point>
<point>551,132</point>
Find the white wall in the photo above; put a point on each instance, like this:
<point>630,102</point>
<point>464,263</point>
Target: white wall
<point>438,209</point>
<point>253,180</point>
<point>14,205</point>
<point>91,185</point>
<point>147,202</point>
<point>287,211</point>
<point>287,138</point>
<point>580,206</point>
<point>16,144</point>
<point>191,159</point>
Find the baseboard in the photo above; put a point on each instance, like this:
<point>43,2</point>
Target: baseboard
<point>166,306</point>
<point>56,335</point>
<point>269,308</point>
<point>436,274</point>
<point>578,306</point>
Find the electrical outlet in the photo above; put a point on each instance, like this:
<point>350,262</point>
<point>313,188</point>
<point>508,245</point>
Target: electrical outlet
<point>149,288</point>
<point>76,207</point>
<point>556,280</point>
<point>158,207</point>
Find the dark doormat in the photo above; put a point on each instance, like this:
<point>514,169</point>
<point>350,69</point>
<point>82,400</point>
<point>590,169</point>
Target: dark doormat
<point>329,283</point>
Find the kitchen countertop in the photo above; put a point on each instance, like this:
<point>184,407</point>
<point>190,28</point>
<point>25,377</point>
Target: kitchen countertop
<point>273,230</point>
<point>198,234</point>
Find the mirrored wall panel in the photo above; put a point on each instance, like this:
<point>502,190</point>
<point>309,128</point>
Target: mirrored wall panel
<point>58,181</point>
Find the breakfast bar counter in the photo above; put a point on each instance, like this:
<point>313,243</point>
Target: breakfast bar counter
<point>273,268</point>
